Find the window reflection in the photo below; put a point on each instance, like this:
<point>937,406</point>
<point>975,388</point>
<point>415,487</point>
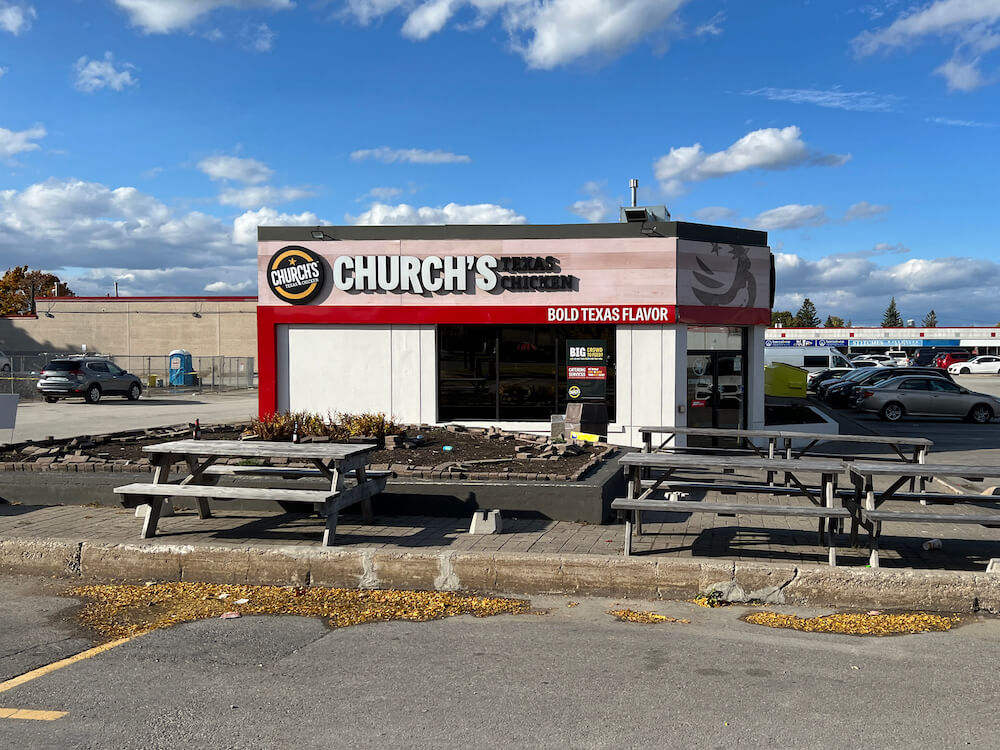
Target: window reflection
<point>512,373</point>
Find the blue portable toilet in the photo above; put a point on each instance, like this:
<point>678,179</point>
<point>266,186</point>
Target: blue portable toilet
<point>180,367</point>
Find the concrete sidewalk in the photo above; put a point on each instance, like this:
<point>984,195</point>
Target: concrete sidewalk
<point>678,557</point>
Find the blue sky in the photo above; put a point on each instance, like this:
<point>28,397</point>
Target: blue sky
<point>143,141</point>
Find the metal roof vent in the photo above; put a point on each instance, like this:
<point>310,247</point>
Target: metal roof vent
<point>641,214</point>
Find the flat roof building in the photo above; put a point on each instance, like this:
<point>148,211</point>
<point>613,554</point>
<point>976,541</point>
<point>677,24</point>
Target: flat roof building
<point>505,325</point>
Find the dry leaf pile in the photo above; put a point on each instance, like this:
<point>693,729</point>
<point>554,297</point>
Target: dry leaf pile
<point>858,624</point>
<point>646,618</point>
<point>120,611</point>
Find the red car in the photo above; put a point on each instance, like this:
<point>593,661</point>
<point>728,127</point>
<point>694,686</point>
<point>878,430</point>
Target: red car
<point>950,358</point>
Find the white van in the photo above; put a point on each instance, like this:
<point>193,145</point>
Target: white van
<point>811,358</point>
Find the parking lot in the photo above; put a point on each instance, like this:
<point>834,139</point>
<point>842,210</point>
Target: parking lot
<point>37,420</point>
<point>568,674</point>
<point>963,442</point>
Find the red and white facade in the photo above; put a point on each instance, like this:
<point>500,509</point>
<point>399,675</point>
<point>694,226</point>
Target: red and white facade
<point>354,321</point>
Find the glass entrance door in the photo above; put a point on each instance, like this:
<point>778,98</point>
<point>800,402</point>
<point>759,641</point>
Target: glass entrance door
<point>716,383</point>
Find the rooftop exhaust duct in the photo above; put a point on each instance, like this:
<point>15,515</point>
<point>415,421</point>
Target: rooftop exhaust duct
<point>636,214</point>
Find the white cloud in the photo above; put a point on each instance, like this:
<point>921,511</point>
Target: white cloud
<point>16,17</point>
<point>453,213</point>
<point>714,214</point>
<point>165,16</point>
<point>546,33</point>
<point>792,216</point>
<point>769,148</point>
<point>249,171</point>
<point>597,207</point>
<point>962,76</point>
<point>959,123</point>
<point>246,286</point>
<point>17,141</point>
<point>560,31</point>
<point>259,38</point>
<point>388,155</point>
<point>72,222</point>
<point>3,72</point>
<point>384,193</point>
<point>92,75</point>
<point>971,25</point>
<point>711,27</point>
<point>852,286</point>
<point>858,101</point>
<point>864,210</point>
<point>245,225</point>
<point>261,195</point>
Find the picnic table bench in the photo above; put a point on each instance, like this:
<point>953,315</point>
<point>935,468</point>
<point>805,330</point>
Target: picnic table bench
<point>640,490</point>
<point>780,443</point>
<point>331,461</point>
<point>869,500</point>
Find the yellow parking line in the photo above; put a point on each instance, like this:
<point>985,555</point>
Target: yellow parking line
<point>41,671</point>
<point>25,713</point>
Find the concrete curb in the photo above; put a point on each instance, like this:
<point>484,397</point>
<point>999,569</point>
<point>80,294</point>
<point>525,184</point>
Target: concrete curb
<point>518,574</point>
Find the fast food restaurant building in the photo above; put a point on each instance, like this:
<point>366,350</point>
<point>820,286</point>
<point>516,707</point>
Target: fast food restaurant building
<point>504,325</point>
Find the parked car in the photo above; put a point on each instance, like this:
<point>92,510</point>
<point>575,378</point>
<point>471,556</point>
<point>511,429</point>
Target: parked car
<point>882,359</point>
<point>925,357</point>
<point>924,396</point>
<point>847,393</point>
<point>901,358</point>
<point>813,379</point>
<point>944,361</point>
<point>865,362</point>
<point>89,377</point>
<point>4,362</point>
<point>822,388</point>
<point>984,363</point>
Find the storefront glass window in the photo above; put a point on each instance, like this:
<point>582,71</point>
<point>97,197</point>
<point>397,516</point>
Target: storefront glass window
<point>510,373</point>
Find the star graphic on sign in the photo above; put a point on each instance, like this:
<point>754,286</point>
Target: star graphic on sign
<point>291,261</point>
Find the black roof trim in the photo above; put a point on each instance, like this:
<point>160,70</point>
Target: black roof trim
<point>680,229</point>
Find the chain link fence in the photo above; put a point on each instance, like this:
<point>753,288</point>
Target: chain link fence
<point>211,374</point>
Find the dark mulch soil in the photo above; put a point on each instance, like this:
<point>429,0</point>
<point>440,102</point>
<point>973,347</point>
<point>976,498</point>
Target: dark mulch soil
<point>475,451</point>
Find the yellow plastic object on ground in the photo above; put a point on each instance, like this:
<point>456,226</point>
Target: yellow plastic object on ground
<point>784,380</point>
<point>151,381</point>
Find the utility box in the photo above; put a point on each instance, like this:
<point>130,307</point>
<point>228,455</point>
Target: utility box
<point>180,367</point>
<point>784,380</point>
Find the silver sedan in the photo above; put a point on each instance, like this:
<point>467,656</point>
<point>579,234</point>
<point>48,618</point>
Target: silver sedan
<point>921,396</point>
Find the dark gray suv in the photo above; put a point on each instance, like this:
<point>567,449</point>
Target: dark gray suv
<point>90,377</point>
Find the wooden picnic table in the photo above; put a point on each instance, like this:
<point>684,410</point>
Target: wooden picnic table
<point>640,489</point>
<point>333,462</point>
<point>917,454</point>
<point>869,500</point>
<point>920,446</point>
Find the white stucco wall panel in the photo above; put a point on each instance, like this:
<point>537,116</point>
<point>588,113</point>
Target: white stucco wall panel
<point>389,369</point>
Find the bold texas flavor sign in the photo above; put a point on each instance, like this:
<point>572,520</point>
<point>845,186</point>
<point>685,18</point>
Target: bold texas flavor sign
<point>626,281</point>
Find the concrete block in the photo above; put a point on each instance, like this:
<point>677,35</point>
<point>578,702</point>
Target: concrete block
<point>215,565</point>
<point>486,522</point>
<point>278,566</point>
<point>43,557</point>
<point>406,570</point>
<point>474,571</point>
<point>592,575</point>
<point>131,562</point>
<point>528,574</point>
<point>335,568</point>
<point>993,566</point>
<point>678,578</point>
<point>166,510</point>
